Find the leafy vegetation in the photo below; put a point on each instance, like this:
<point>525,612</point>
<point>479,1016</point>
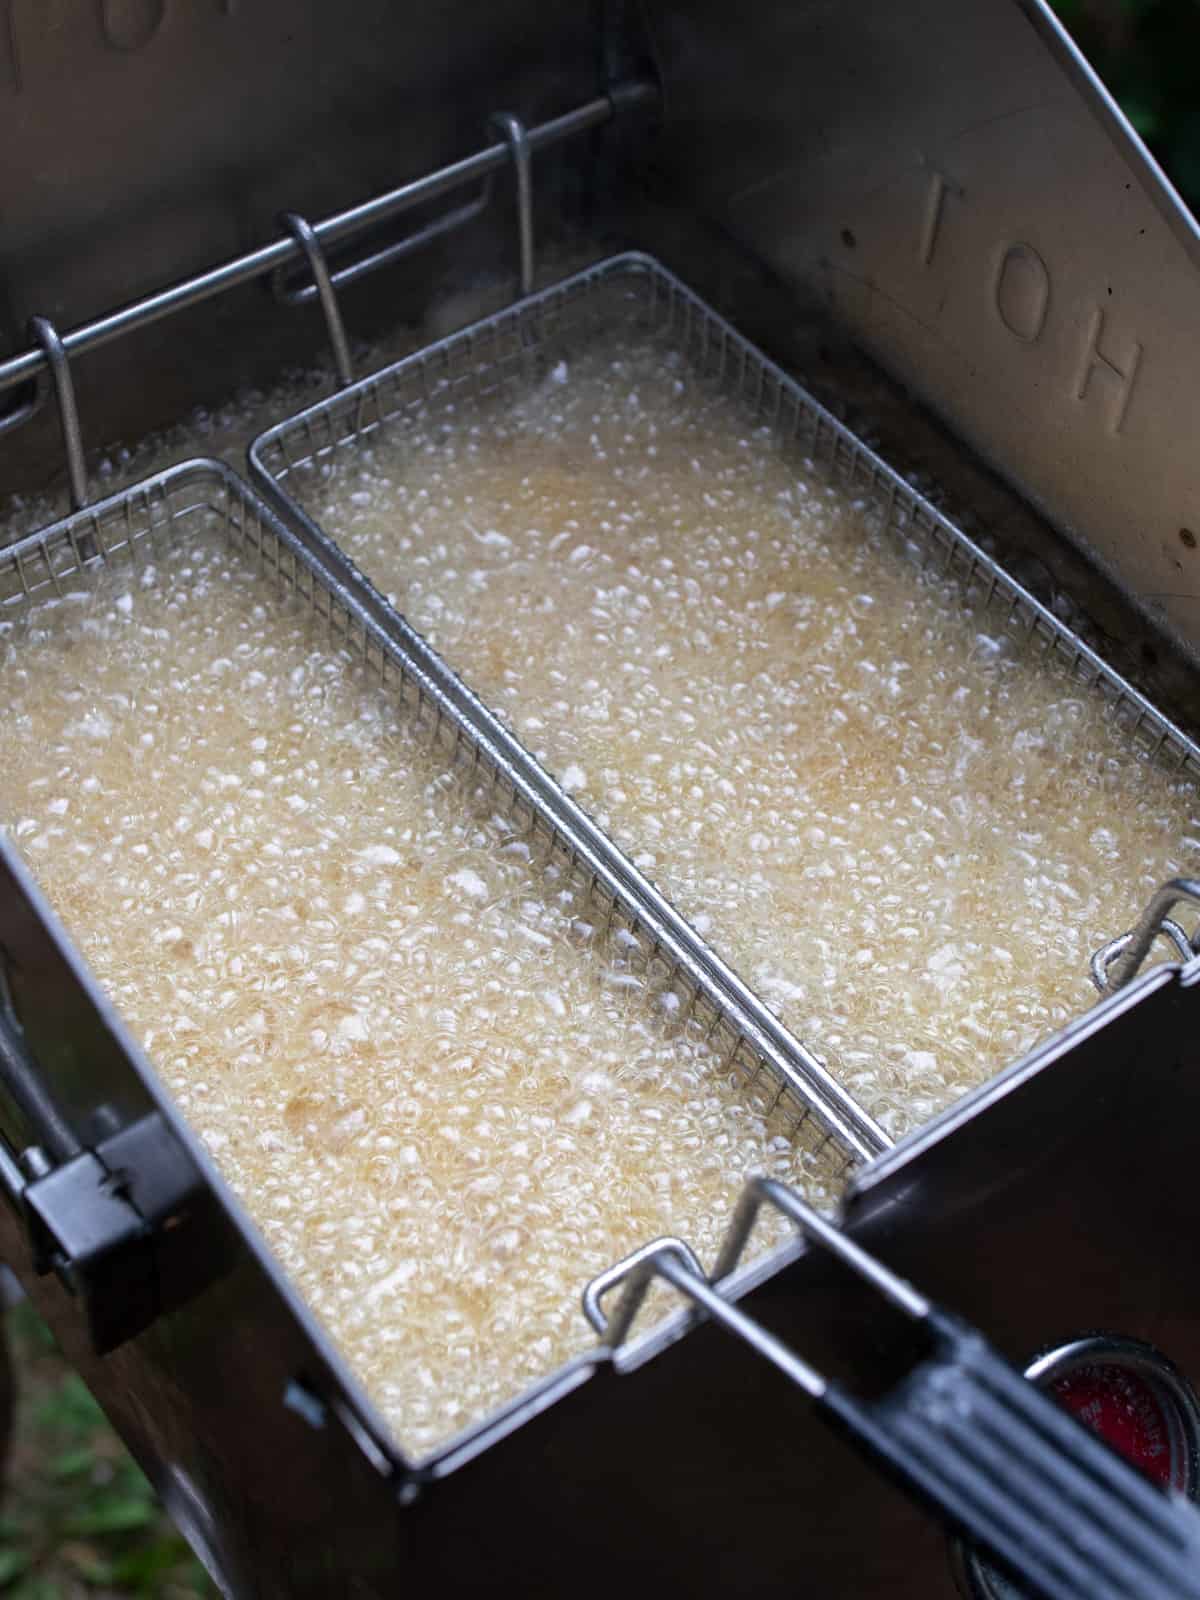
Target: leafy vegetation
<point>78,1519</point>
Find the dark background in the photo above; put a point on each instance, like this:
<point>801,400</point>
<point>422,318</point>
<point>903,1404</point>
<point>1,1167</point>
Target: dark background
<point>1148,53</point>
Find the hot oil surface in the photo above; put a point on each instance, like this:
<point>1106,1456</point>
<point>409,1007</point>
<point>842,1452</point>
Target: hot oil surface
<point>906,834</point>
<point>440,1095</point>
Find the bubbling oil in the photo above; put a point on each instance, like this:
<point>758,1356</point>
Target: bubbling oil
<point>442,1097</point>
<point>908,835</point>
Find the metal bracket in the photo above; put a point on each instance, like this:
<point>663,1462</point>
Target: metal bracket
<point>275,259</point>
<point>962,1430</point>
<point>99,1221</point>
<point>125,1225</point>
<point>1128,951</point>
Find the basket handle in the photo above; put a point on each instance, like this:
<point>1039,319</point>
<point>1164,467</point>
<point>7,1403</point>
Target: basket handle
<point>962,1431</point>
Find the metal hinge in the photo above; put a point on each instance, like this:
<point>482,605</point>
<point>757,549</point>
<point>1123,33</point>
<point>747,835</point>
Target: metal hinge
<point>125,1221</point>
<point>100,1222</point>
<point>318,1403</point>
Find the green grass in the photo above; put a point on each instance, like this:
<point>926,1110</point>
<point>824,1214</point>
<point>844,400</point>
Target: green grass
<point>77,1518</point>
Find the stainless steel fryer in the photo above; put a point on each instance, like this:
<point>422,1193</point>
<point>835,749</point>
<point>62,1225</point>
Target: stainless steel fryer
<point>1053,1207</point>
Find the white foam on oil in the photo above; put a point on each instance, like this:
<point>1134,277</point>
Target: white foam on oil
<point>908,835</point>
<point>441,1095</point>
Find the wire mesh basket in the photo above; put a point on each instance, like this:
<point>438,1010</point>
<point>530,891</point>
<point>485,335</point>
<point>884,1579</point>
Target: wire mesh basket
<point>488,370</point>
<point>130,526</point>
<point>501,356</point>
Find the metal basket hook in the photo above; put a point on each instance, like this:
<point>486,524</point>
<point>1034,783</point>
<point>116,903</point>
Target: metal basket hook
<point>305,235</point>
<point>46,335</point>
<point>1119,961</point>
<point>512,130</point>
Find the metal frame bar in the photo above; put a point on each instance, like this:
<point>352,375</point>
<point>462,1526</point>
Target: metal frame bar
<point>269,258</point>
<point>46,1125</point>
<point>290,290</point>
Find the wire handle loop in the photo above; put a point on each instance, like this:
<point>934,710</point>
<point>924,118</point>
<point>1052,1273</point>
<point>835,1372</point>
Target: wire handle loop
<point>675,1261</point>
<point>1121,959</point>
